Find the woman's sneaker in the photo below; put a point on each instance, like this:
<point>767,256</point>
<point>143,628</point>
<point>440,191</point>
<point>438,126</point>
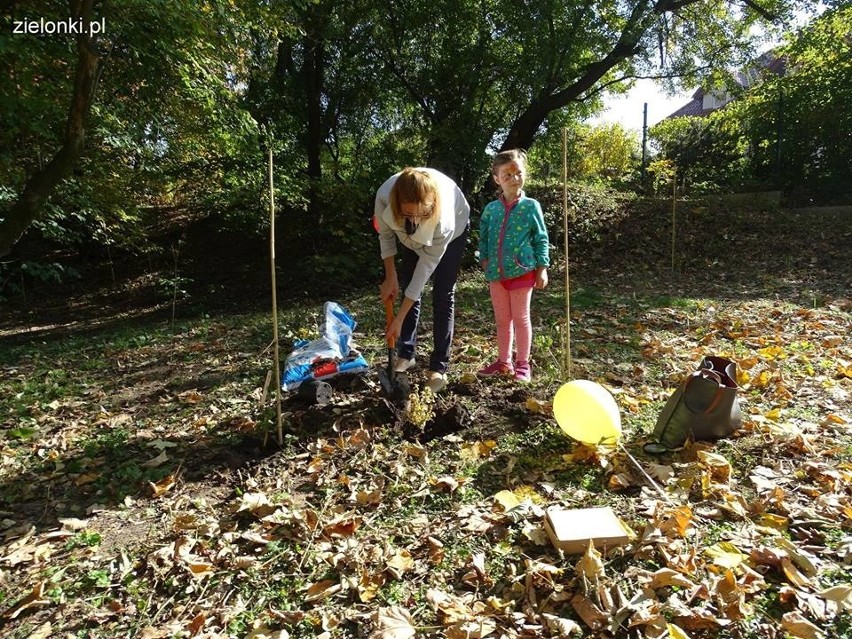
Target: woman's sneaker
<point>496,368</point>
<point>523,372</point>
<point>436,382</point>
<point>403,365</point>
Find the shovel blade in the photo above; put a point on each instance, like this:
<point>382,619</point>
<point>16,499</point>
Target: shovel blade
<point>386,382</point>
<point>396,388</point>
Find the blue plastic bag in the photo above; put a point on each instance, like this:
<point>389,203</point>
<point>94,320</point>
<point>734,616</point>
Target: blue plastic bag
<point>330,355</point>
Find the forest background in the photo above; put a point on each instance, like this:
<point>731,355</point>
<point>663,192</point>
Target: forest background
<point>170,110</point>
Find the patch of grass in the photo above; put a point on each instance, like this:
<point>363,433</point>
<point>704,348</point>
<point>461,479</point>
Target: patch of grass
<point>32,394</point>
<point>669,301</point>
<point>767,608</point>
<point>22,433</point>
<point>580,477</point>
<point>841,626</point>
<point>716,531</point>
<point>394,593</point>
<point>544,436</point>
<point>98,578</point>
<point>586,297</point>
<point>107,442</point>
<point>84,539</point>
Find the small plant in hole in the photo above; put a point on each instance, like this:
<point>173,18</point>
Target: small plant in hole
<point>421,407</point>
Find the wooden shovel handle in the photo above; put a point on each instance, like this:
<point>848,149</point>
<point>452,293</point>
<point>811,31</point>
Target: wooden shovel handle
<point>388,319</point>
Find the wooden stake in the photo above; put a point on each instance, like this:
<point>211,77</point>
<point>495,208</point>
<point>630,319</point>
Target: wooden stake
<point>265,393</point>
<point>566,332</point>
<point>279,425</point>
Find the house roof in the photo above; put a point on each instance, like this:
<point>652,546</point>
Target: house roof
<point>745,77</point>
<point>695,107</point>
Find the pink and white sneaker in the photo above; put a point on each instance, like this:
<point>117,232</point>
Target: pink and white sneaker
<point>523,372</point>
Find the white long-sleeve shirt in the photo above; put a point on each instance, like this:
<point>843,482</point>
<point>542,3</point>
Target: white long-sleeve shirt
<point>432,236</point>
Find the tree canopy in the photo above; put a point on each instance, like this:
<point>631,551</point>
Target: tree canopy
<point>792,130</point>
<point>171,102</point>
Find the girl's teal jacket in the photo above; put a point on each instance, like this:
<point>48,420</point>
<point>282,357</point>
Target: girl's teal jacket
<point>513,240</point>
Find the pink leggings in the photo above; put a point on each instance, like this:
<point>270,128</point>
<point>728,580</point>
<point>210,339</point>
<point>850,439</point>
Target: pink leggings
<point>512,313</point>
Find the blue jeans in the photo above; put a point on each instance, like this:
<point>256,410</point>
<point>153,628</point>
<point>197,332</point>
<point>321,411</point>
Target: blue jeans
<point>443,304</point>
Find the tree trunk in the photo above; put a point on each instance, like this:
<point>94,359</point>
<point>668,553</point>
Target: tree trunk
<point>523,131</point>
<point>40,185</point>
<point>313,72</point>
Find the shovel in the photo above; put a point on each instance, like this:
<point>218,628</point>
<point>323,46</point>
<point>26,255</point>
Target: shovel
<point>395,386</point>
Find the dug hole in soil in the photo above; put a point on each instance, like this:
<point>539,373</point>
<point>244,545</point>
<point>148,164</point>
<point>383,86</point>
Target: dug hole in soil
<point>358,401</point>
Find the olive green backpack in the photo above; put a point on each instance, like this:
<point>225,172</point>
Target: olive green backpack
<point>704,407</point>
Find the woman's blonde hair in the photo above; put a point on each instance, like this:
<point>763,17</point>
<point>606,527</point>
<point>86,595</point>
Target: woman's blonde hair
<point>505,157</point>
<point>418,187</point>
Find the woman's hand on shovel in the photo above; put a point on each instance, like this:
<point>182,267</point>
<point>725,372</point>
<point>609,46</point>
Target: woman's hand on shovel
<point>389,288</point>
<point>394,328</point>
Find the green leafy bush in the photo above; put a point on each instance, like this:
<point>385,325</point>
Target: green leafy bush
<point>592,209</point>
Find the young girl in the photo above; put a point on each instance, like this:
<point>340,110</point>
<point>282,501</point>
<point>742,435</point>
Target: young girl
<point>514,252</point>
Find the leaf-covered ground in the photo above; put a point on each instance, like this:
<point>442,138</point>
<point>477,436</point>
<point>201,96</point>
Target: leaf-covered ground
<point>144,495</point>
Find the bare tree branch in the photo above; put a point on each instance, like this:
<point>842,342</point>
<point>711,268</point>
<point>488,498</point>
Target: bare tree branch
<point>763,12</point>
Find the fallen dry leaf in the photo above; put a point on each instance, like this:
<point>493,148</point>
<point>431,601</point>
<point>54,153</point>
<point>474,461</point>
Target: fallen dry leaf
<point>666,577</point>
<point>796,624</point>
<point>159,460</point>
<point>725,555</point>
<point>369,498</point>
<point>200,569</point>
<point>591,615</point>
<point>343,528</point>
<point>840,594</point>
<point>473,629</point>
<point>718,465</point>
<point>676,632</point>
<point>87,478</point>
<point>506,499</point>
<point>560,626</point>
<point>401,562</point>
<point>801,559</point>
<point>477,450</point>
<point>262,631</point>
<point>73,524</point>
<point>30,601</point>
<point>590,566</point>
<point>793,574</point>
<point>394,622</point>
<point>435,550</point>
<point>732,597</point>
<point>44,631</point>
<point>163,486</point>
<point>369,585</point>
<point>451,608</point>
<point>538,407</point>
<point>478,576</point>
<point>677,521</point>
<point>196,624</point>
<point>322,590</point>
<point>255,503</point>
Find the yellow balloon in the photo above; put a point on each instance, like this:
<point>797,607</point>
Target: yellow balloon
<point>587,412</point>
